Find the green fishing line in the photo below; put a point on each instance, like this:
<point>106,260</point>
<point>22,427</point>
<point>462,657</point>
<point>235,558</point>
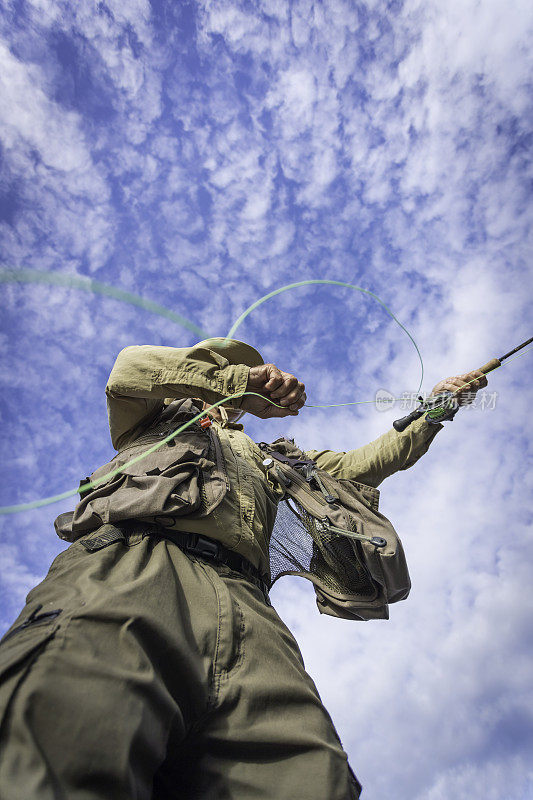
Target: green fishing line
<point>91,484</point>
<point>33,276</point>
<point>286,288</point>
<point>95,287</point>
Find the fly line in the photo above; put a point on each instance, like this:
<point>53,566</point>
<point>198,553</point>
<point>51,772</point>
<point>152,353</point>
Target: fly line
<point>59,279</point>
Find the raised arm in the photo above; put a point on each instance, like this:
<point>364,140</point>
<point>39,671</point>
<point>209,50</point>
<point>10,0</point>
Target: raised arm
<point>144,375</point>
<point>373,462</point>
<point>395,451</point>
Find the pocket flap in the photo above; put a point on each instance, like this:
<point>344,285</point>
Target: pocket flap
<point>190,452</point>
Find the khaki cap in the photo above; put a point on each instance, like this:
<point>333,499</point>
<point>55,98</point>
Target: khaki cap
<point>236,352</point>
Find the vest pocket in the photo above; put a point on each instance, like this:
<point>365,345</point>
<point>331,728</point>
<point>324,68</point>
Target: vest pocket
<point>34,620</point>
<point>163,483</point>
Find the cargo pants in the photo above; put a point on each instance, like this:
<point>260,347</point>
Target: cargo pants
<point>139,672</point>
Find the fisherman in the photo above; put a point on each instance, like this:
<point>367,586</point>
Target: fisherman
<point>150,662</point>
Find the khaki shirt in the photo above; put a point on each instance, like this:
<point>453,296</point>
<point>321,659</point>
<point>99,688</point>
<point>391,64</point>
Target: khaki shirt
<point>145,378</point>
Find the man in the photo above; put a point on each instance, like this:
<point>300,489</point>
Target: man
<point>150,663</point>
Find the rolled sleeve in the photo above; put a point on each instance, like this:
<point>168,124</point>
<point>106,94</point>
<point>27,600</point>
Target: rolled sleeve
<point>389,453</point>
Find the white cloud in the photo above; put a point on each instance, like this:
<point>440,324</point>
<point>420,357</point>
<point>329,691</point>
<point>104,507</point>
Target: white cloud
<point>389,150</point>
<point>16,577</point>
<point>294,97</point>
<point>47,151</point>
<point>30,119</point>
<point>503,779</point>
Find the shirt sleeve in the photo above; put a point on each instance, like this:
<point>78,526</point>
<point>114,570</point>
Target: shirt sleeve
<point>389,453</point>
<point>143,376</point>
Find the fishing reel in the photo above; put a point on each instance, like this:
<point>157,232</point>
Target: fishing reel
<point>438,408</point>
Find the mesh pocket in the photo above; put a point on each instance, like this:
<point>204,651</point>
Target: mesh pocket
<point>300,545</point>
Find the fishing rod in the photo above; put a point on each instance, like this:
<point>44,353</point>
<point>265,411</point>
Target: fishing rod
<point>443,406</point>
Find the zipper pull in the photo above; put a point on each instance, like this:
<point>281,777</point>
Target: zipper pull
<point>282,477</point>
<point>377,541</point>
<point>329,498</point>
<point>308,471</point>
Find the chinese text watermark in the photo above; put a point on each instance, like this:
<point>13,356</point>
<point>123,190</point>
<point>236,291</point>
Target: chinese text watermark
<point>408,401</point>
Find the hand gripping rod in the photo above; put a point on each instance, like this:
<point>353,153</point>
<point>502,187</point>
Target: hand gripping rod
<point>402,423</point>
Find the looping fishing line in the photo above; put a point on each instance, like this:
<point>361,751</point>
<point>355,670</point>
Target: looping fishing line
<point>95,287</point>
<point>289,286</point>
<point>34,276</point>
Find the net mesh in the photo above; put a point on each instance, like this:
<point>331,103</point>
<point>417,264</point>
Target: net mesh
<point>300,544</point>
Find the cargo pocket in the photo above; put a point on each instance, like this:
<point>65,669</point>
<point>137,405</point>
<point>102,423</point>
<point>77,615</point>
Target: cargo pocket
<point>37,619</point>
<point>23,643</point>
<point>228,655</point>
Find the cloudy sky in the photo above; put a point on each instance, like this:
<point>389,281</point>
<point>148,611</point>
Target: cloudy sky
<point>201,154</point>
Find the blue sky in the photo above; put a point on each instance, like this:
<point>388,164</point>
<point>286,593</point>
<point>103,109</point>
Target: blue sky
<point>203,154</point>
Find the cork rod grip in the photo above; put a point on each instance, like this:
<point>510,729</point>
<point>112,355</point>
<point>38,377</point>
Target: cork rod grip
<point>490,365</point>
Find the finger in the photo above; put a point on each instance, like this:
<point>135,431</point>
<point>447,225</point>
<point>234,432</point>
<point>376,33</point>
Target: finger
<point>285,388</point>
<point>476,376</point>
<point>292,396</point>
<point>288,410</point>
<point>461,392</point>
<point>466,393</point>
<point>468,382</point>
<point>453,380</point>
<point>481,379</point>
<point>281,412</point>
<point>285,392</point>
<point>293,399</point>
<point>453,384</point>
<point>299,404</point>
<point>258,376</point>
<point>474,385</point>
<point>275,379</point>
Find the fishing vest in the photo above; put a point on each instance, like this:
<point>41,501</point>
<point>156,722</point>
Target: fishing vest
<point>327,530</point>
<point>186,476</point>
<point>331,532</point>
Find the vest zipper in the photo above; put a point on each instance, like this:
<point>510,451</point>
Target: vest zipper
<point>219,455</point>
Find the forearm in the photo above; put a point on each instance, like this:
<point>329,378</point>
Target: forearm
<point>144,375</point>
<point>389,453</point>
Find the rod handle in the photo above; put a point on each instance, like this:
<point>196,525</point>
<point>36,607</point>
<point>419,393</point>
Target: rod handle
<point>404,422</point>
<point>490,365</point>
